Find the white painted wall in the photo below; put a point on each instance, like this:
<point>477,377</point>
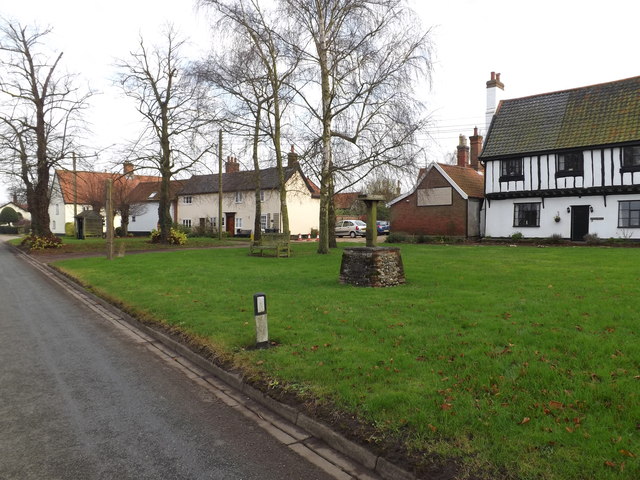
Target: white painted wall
<point>303,210</point>
<point>603,221</point>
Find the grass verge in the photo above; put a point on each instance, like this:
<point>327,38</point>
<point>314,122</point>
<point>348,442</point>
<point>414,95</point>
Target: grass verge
<point>514,362</point>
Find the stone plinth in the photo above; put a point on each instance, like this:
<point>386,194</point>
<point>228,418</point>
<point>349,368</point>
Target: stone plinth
<point>372,267</point>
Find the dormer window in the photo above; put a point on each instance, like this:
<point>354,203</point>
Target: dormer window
<point>631,159</point>
<point>569,164</point>
<point>511,170</point>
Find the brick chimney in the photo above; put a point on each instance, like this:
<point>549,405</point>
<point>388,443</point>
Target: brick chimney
<point>231,165</point>
<point>495,93</point>
<point>476,148</point>
<point>463,152</point>
<point>292,158</point>
<point>127,169</point>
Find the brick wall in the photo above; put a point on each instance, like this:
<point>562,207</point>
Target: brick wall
<point>451,220</point>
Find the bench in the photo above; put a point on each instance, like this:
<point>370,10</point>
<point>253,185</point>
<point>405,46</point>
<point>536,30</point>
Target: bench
<point>278,242</point>
<point>243,233</point>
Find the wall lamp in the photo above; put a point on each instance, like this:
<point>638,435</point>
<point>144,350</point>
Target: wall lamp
<point>591,208</point>
<point>568,209</point>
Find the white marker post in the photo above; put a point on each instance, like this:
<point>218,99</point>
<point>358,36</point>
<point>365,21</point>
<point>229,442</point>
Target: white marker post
<point>260,312</point>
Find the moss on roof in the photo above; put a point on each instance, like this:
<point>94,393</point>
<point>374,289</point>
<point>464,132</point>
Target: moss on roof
<point>603,114</point>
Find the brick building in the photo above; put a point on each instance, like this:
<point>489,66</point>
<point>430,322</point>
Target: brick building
<point>446,199</point>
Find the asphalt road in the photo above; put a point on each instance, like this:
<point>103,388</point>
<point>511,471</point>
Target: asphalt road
<point>80,400</point>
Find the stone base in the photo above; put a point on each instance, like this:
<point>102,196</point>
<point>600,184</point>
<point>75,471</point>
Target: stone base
<point>372,267</point>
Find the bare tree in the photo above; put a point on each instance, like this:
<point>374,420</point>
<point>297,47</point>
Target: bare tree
<point>177,114</point>
<point>364,56</point>
<point>262,82</point>
<point>41,115</point>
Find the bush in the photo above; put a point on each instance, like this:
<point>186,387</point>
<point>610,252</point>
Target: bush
<point>555,239</point>
<point>517,236</point>
<point>8,229</point>
<point>9,215</point>
<point>592,239</point>
<point>34,242</point>
<point>175,237</point>
<point>423,239</point>
<point>119,232</point>
<point>69,229</point>
<point>400,237</point>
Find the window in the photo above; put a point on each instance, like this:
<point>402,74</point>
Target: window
<point>511,170</point>
<point>569,165</point>
<point>238,197</point>
<point>629,214</point>
<point>186,222</point>
<point>263,222</point>
<point>238,223</point>
<point>57,209</point>
<point>133,219</point>
<point>53,225</point>
<point>526,215</point>
<point>631,159</point>
<point>187,200</point>
<point>153,194</point>
<point>262,195</point>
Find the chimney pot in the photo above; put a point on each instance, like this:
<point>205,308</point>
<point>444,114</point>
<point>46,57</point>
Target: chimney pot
<point>292,158</point>
<point>463,152</point>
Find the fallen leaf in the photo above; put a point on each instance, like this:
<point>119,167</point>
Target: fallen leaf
<point>432,428</point>
<point>627,453</point>
<point>524,421</point>
<point>610,464</point>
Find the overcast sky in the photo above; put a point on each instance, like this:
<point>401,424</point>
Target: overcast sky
<point>538,47</point>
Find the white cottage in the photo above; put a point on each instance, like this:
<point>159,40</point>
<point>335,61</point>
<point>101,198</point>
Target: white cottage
<point>75,191</point>
<point>565,163</point>
<point>198,200</point>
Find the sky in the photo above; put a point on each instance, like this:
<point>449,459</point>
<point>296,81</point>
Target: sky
<point>538,47</point>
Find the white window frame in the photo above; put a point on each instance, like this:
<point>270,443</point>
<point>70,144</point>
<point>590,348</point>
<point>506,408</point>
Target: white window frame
<point>239,197</point>
<point>187,200</point>
<point>186,222</point>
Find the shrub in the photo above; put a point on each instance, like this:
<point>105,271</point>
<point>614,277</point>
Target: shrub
<point>69,229</point>
<point>592,239</point>
<point>175,237</point>
<point>517,236</point>
<point>35,242</point>
<point>423,239</point>
<point>7,229</point>
<point>400,237</point>
<point>315,232</point>
<point>119,232</point>
<point>8,215</point>
<point>555,239</point>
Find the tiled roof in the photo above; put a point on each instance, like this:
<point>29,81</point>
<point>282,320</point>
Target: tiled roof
<point>144,190</point>
<point>468,179</point>
<point>239,181</point>
<point>92,184</point>
<point>604,114</point>
<point>345,200</point>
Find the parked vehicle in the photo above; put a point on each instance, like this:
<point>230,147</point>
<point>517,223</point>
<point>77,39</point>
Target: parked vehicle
<point>353,228</point>
<point>383,227</point>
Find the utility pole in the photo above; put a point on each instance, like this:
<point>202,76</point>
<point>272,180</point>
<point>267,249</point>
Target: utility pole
<point>220,185</point>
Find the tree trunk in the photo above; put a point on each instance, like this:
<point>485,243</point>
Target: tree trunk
<point>257,225</point>
<point>325,173</point>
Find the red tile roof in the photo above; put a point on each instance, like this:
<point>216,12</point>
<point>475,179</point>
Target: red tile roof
<point>91,185</point>
<point>469,180</point>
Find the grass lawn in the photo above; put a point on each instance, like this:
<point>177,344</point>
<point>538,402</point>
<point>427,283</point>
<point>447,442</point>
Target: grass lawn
<point>515,362</point>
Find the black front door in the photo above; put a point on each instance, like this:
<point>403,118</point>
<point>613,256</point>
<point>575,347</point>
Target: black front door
<point>579,222</point>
